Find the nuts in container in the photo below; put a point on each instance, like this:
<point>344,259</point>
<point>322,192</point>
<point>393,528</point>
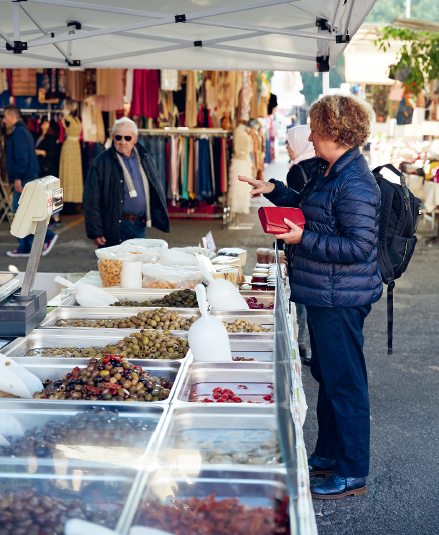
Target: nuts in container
<point>110,272</point>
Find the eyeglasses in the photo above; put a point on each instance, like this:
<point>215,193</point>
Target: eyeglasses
<point>126,138</point>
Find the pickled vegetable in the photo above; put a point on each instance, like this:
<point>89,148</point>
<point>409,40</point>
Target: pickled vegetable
<point>181,299</point>
<point>245,326</point>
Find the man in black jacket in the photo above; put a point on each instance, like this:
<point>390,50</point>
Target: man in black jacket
<point>123,194</point>
<point>22,167</point>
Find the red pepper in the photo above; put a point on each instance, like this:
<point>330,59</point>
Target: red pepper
<point>114,357</point>
<point>220,400</point>
<point>113,386</point>
<point>106,359</point>
<point>243,386</point>
<point>227,391</point>
<point>236,399</point>
<point>217,395</point>
<point>267,397</point>
<point>218,389</point>
<point>270,386</point>
<point>94,389</point>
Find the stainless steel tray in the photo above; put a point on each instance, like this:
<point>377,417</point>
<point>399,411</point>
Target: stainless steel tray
<point>93,443</point>
<point>215,373</point>
<point>64,337</point>
<point>264,489</point>
<point>264,317</point>
<point>54,368</point>
<point>103,489</point>
<point>9,282</point>
<point>248,430</point>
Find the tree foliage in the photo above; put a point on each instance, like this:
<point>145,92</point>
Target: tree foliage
<point>419,51</point>
<point>385,11</point>
<point>312,84</point>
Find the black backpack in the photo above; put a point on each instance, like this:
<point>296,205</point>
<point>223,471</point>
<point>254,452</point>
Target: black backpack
<point>399,216</point>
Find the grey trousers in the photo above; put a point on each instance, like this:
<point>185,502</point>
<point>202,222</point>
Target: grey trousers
<point>301,323</point>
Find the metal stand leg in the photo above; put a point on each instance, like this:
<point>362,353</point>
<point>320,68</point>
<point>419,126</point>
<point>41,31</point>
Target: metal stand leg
<point>34,258</point>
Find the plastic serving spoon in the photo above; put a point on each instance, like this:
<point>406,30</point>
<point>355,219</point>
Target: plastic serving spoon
<point>88,295</point>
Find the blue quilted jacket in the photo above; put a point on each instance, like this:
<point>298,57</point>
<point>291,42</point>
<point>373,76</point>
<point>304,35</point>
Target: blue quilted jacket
<point>335,264</point>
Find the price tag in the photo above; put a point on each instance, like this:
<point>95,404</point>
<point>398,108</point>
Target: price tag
<point>209,243</point>
<point>49,203</point>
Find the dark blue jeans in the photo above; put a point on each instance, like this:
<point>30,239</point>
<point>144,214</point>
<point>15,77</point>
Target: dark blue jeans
<point>25,244</point>
<point>337,364</point>
<point>132,229</point>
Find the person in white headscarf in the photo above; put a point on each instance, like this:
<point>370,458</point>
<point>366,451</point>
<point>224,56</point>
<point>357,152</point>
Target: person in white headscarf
<point>299,149</point>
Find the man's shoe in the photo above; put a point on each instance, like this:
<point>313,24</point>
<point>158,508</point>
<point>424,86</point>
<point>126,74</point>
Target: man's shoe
<point>16,254</point>
<point>338,487</point>
<point>319,466</point>
<point>49,245</point>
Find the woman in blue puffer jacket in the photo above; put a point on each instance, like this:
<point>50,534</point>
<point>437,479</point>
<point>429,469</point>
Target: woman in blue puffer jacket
<point>335,274</point>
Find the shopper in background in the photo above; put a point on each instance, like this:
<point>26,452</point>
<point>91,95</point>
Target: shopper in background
<point>299,149</point>
<point>123,194</point>
<point>47,149</point>
<point>22,167</point>
<point>336,275</point>
<point>293,120</point>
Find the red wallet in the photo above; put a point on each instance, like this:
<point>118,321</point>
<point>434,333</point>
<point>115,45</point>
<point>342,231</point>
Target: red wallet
<point>272,219</point>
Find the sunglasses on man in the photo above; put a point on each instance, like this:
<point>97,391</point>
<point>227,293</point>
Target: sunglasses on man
<point>126,138</point>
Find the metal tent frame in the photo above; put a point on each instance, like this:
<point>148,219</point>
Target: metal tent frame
<point>306,35</point>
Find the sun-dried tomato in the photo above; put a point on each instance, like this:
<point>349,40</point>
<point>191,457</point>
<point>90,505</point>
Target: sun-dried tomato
<point>94,389</point>
<point>112,386</point>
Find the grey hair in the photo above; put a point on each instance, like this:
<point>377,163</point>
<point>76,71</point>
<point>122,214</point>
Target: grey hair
<point>125,120</point>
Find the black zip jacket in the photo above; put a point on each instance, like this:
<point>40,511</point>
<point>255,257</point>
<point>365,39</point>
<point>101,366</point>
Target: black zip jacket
<point>104,195</point>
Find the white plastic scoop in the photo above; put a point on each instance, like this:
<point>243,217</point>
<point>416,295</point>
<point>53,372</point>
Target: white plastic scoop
<point>207,337</point>
<point>221,294</point>
<point>88,295</point>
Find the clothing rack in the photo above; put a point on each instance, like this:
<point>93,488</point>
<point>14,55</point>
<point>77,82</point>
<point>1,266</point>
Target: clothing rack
<point>185,132</point>
<point>200,133</point>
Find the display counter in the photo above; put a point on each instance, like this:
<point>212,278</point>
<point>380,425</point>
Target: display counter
<point>227,440</point>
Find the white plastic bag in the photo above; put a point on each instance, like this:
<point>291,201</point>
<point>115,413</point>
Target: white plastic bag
<point>146,243</point>
<point>172,257</point>
<point>208,338</point>
<point>110,260</point>
<point>221,294</point>
<point>170,277</point>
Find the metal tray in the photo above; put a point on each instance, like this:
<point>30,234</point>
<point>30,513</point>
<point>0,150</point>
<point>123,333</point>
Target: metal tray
<point>56,368</point>
<point>101,446</point>
<point>264,489</point>
<point>102,488</point>
<point>224,372</point>
<point>9,282</point>
<point>64,337</point>
<point>183,420</point>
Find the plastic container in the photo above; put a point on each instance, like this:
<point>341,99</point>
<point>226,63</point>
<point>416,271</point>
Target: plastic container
<point>259,277</point>
<point>259,286</point>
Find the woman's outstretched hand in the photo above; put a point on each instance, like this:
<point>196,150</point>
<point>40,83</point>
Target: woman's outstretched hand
<point>259,185</point>
<point>295,234</point>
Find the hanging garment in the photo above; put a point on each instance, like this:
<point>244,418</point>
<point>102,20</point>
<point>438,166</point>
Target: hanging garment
<point>25,82</point>
<point>90,82</point>
<point>70,165</point>
<point>146,89</point>
<point>174,168</point>
<point>191,110</point>
<point>239,192</point>
<point>190,168</point>
<point>129,85</point>
<point>184,191</point>
<point>224,167</point>
<point>114,102</point>
<point>246,95</point>
<point>216,149</point>
<point>4,85</point>
<point>204,174</point>
<point>225,92</point>
<point>93,122</point>
<point>75,85</point>
<point>169,79</point>
<point>265,95</point>
<point>54,82</point>
<point>253,114</point>
<point>106,82</point>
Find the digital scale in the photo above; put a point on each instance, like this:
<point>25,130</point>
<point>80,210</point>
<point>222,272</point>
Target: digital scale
<point>21,310</point>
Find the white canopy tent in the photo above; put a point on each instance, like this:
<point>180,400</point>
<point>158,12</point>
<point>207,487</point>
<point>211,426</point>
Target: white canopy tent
<point>297,35</point>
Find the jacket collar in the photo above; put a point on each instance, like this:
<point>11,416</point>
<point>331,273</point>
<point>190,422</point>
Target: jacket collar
<point>345,160</point>
<point>18,124</point>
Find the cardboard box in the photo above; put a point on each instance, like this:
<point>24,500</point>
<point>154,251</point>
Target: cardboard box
<point>234,252</point>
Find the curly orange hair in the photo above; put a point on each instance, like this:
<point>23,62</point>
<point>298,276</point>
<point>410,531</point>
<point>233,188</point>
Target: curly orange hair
<point>341,118</point>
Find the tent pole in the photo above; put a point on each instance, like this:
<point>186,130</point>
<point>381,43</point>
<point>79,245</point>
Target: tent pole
<point>16,7</point>
<point>6,37</point>
<point>325,81</point>
<point>349,19</point>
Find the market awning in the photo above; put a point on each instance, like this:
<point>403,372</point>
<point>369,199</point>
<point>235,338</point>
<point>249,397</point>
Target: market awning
<point>290,35</point>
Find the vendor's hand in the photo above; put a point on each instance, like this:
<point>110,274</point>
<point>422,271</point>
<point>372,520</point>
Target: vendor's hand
<point>99,241</point>
<point>295,234</point>
<point>259,185</point>
<point>17,186</point>
<point>40,152</point>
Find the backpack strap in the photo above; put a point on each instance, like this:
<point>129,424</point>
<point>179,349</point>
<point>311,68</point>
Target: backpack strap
<point>390,287</point>
<point>401,180</point>
<point>305,176</point>
<point>386,206</point>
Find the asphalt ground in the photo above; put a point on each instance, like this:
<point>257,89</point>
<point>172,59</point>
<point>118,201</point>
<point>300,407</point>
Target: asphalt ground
<point>403,489</point>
